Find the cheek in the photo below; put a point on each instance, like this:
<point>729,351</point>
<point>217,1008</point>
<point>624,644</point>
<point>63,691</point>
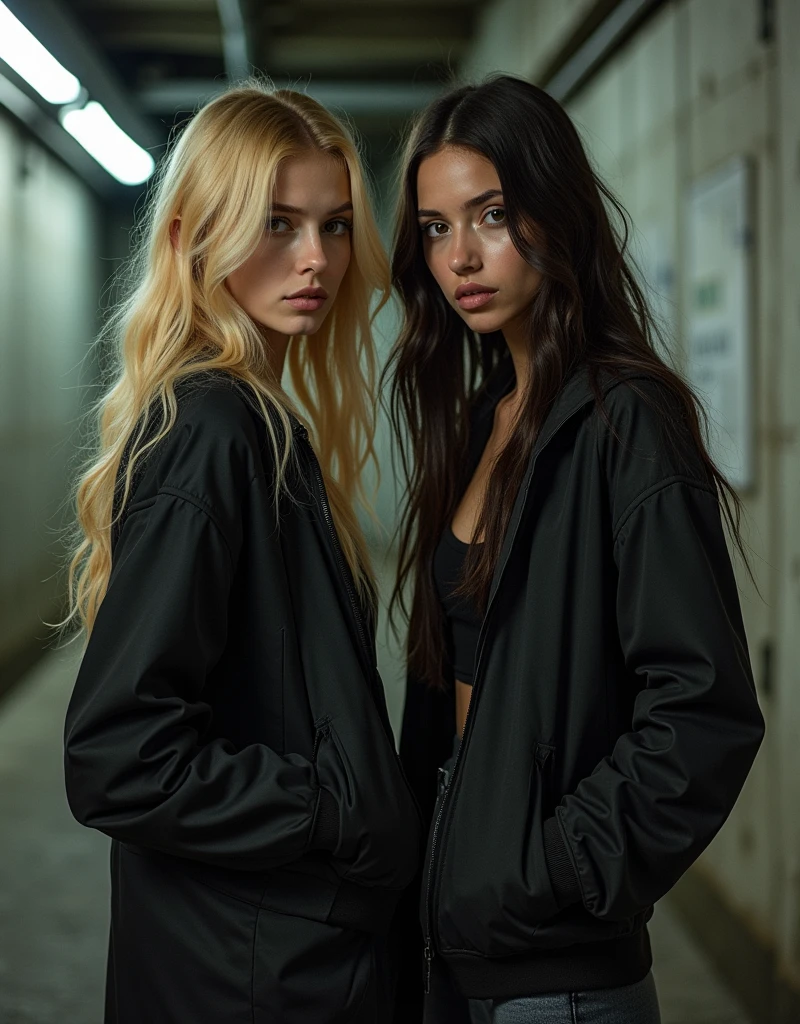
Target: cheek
<point>248,282</point>
<point>500,250</point>
<point>237,285</point>
<point>436,259</point>
<point>515,270</point>
<point>339,254</point>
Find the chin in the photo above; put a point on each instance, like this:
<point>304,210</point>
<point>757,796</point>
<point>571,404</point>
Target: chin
<point>484,323</point>
<point>304,323</point>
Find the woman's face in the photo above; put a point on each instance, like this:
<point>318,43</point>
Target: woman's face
<point>289,284</point>
<point>466,241</point>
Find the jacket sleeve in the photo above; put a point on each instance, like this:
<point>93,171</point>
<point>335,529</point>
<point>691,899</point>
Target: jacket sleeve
<point>142,764</point>
<point>647,811</point>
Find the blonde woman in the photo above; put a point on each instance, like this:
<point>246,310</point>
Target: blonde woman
<point>228,728</point>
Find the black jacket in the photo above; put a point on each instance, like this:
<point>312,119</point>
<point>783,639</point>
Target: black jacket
<point>228,720</point>
<point>613,717</point>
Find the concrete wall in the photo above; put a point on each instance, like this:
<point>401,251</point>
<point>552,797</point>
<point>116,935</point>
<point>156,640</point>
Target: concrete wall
<point>694,86</point>
<point>523,37</point>
<point>786,384</point>
<point>49,295</point>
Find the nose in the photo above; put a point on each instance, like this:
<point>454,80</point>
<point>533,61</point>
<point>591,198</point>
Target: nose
<point>464,257</point>
<point>312,253</point>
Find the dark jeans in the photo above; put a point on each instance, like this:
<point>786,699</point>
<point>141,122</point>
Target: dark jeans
<point>631,1004</point>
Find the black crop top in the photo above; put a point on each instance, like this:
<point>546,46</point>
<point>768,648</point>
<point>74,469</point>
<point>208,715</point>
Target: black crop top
<point>463,622</point>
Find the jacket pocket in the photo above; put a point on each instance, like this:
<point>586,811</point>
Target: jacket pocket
<point>543,769</point>
<point>379,829</point>
<point>494,888</point>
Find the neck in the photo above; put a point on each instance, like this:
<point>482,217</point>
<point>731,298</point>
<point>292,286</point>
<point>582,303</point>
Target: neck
<point>277,346</point>
<point>514,335</point>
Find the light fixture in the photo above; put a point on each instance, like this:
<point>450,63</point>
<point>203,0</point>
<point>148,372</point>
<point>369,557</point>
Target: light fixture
<point>103,138</point>
<point>25,54</point>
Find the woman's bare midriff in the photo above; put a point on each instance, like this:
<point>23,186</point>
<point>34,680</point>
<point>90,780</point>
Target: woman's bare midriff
<point>463,694</point>
<point>468,511</point>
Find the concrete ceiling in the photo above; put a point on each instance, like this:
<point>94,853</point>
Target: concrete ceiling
<point>376,59</point>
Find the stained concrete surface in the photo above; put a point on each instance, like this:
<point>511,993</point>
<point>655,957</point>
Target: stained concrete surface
<point>54,884</point>
<point>53,872</point>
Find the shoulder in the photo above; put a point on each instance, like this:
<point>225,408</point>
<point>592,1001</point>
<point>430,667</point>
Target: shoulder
<point>648,416</point>
<point>213,449</point>
<point>217,407</point>
<point>648,438</point>
<point>641,401</point>
<point>213,434</point>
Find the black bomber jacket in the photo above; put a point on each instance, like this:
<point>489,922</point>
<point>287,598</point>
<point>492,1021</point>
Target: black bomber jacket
<point>613,717</point>
<point>228,714</point>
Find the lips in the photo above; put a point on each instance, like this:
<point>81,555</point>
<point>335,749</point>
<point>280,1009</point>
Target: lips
<point>473,296</point>
<point>307,299</point>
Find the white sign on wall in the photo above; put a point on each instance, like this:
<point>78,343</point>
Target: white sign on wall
<point>719,302</point>
<point>655,256</point>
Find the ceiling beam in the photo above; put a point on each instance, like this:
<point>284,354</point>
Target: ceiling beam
<point>270,21</point>
<point>299,53</point>
<point>154,40</point>
<point>422,6</point>
<point>100,8</point>
<point>356,98</point>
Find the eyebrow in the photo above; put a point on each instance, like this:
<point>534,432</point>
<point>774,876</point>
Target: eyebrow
<point>490,193</point>
<point>283,208</point>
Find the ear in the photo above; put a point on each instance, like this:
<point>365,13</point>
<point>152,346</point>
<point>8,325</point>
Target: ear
<point>175,234</point>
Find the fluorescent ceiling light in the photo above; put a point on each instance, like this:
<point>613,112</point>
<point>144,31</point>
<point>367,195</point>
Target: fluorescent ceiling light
<point>25,54</point>
<point>108,144</point>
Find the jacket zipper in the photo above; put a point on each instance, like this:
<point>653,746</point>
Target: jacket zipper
<point>343,567</point>
<point>429,951</point>
<point>345,572</point>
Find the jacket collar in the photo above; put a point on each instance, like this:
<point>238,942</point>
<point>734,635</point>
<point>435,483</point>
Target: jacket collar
<point>576,393</point>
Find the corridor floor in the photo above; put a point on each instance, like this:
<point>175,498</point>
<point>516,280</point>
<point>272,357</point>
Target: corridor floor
<point>54,884</point>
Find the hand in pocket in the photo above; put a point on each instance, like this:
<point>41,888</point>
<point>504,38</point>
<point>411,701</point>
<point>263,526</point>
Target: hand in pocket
<point>378,833</point>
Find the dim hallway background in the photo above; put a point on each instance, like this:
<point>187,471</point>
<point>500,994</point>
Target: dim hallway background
<point>690,110</point>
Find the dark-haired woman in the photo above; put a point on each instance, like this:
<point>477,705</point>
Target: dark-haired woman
<point>574,614</point>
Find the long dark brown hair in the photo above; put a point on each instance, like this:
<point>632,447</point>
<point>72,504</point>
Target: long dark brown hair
<point>589,309</point>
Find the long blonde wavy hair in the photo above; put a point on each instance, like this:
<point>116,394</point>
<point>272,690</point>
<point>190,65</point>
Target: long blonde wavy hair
<point>181,320</point>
